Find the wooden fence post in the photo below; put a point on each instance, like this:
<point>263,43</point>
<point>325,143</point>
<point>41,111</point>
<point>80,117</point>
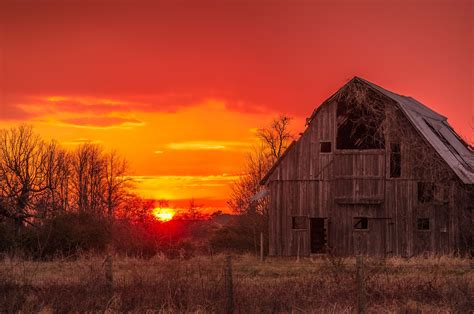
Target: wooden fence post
<point>360,284</point>
<point>109,279</point>
<point>228,286</point>
<point>298,248</point>
<point>261,247</point>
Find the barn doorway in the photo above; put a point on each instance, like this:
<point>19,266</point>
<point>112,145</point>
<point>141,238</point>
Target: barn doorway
<point>318,235</point>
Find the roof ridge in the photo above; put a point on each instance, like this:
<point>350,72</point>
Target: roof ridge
<point>411,104</point>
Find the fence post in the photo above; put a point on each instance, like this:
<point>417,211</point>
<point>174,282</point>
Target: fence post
<point>228,286</point>
<point>360,284</point>
<point>109,279</point>
<point>298,249</point>
<point>261,247</point>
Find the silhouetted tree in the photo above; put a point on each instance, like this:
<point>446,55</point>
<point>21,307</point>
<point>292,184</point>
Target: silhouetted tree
<point>23,173</point>
<point>116,181</point>
<point>274,140</point>
<point>193,211</point>
<point>88,177</point>
<point>58,175</point>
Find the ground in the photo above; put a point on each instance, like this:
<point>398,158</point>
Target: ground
<point>428,284</point>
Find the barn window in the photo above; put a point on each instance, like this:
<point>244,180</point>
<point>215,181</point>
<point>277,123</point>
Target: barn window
<point>300,222</point>
<point>325,147</point>
<point>426,192</point>
<point>361,223</point>
<point>423,223</point>
<point>359,126</point>
<point>395,160</point>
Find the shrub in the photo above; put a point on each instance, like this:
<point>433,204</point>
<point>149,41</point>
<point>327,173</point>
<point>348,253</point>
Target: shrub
<point>7,236</point>
<point>65,235</point>
<point>238,235</point>
<point>134,239</point>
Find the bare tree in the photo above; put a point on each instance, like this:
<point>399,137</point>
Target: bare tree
<point>63,179</point>
<point>116,181</point>
<point>99,180</point>
<point>193,211</point>
<point>88,178</point>
<point>257,165</point>
<point>57,166</point>
<point>135,209</point>
<point>274,140</point>
<point>276,137</point>
<point>22,173</point>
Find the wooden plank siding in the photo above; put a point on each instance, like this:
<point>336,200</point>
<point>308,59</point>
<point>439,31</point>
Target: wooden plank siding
<point>343,184</point>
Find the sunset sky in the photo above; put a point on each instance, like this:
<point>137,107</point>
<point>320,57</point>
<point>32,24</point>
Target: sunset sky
<point>179,87</point>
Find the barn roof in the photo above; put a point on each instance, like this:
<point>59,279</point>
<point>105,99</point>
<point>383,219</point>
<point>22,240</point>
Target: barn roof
<point>432,126</point>
<point>437,131</point>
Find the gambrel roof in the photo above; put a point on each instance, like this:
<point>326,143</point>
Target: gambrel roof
<point>437,131</point>
<point>431,125</point>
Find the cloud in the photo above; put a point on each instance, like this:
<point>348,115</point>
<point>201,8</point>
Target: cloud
<point>206,206</point>
<point>80,141</point>
<point>13,112</point>
<point>208,145</point>
<point>183,187</point>
<point>23,107</point>
<point>158,152</point>
<point>101,122</point>
<point>56,104</point>
<point>184,179</point>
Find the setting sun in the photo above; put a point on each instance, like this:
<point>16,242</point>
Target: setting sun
<point>163,214</point>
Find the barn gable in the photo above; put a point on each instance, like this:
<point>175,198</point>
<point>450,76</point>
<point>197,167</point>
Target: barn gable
<point>432,126</point>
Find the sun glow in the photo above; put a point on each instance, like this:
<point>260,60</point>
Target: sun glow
<point>163,214</point>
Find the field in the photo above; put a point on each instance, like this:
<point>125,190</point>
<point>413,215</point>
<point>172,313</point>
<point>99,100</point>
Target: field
<point>434,284</point>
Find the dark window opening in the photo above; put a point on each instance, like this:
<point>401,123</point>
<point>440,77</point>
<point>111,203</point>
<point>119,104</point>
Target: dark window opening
<point>395,160</point>
<point>325,147</point>
<point>361,223</point>
<point>299,222</point>
<point>426,191</point>
<point>359,127</point>
<point>423,223</point>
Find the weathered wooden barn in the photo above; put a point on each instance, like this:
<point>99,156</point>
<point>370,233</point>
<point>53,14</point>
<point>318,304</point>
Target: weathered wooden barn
<point>373,173</point>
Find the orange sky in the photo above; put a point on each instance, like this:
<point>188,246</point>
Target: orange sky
<point>180,87</point>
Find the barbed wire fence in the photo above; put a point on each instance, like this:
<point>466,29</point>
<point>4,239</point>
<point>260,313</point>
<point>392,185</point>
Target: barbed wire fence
<point>234,272</point>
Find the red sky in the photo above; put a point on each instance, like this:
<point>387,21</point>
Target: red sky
<point>179,87</point>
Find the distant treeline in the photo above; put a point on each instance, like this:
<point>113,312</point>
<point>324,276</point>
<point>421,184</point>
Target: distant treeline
<point>56,201</point>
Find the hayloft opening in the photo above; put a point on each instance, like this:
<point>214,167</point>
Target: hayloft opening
<point>359,126</point>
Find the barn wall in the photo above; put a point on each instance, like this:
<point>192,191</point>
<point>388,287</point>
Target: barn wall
<point>344,184</point>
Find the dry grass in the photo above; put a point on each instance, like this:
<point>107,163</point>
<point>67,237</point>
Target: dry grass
<point>435,284</point>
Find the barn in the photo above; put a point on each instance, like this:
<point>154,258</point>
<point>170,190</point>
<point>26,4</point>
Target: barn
<point>373,173</point>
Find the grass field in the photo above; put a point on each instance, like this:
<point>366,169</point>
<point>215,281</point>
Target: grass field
<point>434,284</point>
